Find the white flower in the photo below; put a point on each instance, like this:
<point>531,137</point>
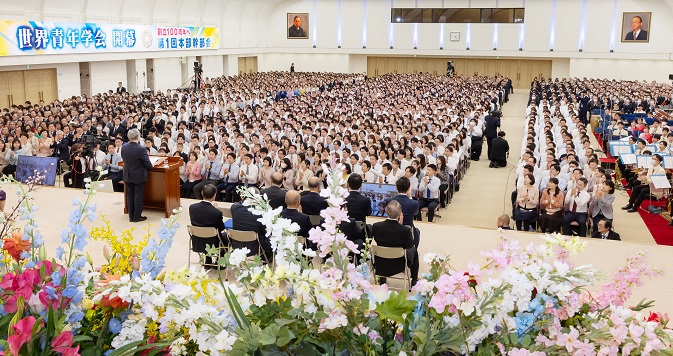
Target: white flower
<point>35,305</point>
<point>430,257</point>
<point>238,256</point>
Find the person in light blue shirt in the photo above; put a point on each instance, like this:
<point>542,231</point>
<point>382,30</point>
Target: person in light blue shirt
<point>210,171</point>
<point>230,172</point>
<point>111,164</point>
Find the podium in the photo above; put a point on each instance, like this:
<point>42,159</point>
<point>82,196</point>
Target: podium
<point>162,189</point>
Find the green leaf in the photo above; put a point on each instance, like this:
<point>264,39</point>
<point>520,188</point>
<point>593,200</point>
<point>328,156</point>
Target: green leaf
<point>284,337</point>
<point>395,307</point>
<point>526,341</point>
<point>268,336</point>
<point>283,322</point>
<point>81,338</point>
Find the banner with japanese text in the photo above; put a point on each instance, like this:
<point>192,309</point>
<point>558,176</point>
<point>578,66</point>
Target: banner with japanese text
<point>34,37</point>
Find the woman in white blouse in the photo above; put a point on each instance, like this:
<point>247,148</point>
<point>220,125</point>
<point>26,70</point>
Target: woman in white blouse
<point>303,175</point>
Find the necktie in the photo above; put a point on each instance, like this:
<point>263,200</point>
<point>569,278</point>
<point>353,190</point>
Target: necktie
<point>211,166</point>
<point>428,193</point>
<point>605,236</point>
<point>575,203</point>
<point>247,171</point>
<point>385,179</point>
<point>226,176</point>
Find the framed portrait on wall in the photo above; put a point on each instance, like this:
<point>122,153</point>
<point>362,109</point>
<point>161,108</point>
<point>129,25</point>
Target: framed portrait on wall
<point>636,26</point>
<point>297,25</point>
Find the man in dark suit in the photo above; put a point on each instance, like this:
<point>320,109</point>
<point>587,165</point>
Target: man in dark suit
<point>391,233</point>
<point>120,88</point>
<point>244,220</point>
<point>409,206</point>
<point>136,165</point>
<point>638,34</point>
<point>204,214</point>
<point>61,148</point>
<point>275,193</point>
<point>492,123</point>
<point>295,30</point>
<point>312,203</point>
<point>500,148</point>
<point>604,231</point>
<point>358,205</point>
<point>293,214</point>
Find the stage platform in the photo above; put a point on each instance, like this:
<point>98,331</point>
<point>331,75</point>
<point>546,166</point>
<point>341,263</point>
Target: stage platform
<point>462,243</point>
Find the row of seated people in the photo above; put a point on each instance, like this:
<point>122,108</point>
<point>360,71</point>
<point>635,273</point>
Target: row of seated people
<point>397,230</point>
<point>603,229</point>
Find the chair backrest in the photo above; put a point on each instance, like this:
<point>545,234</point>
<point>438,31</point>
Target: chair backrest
<point>64,167</point>
<point>388,252</point>
<point>106,186</point>
<point>226,212</point>
<point>202,232</point>
<point>242,236</point>
<point>315,219</point>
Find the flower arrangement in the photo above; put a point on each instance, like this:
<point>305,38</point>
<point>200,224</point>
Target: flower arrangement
<point>520,300</point>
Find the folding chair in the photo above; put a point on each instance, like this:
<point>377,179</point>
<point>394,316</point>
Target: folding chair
<point>63,169</point>
<point>391,253</point>
<point>226,212</point>
<point>248,236</point>
<point>107,186</point>
<point>203,233</point>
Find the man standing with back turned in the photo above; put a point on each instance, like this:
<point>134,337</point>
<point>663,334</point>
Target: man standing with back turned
<point>136,164</point>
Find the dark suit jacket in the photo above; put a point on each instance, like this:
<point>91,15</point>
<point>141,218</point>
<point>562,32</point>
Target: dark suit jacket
<point>301,219</point>
<point>61,150</point>
<point>119,131</point>
<point>244,220</point>
<point>359,206</point>
<point>204,214</point>
<point>491,127</point>
<point>276,196</point>
<point>499,149</point>
<point>390,233</point>
<point>296,32</point>
<point>611,235</point>
<point>136,163</point>
<point>409,208</point>
<point>642,36</point>
<point>121,90</point>
<point>312,204</point>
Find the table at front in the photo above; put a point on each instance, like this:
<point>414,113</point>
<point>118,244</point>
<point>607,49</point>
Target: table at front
<point>162,189</point>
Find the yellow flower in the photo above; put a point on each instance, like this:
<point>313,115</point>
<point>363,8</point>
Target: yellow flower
<point>87,304</point>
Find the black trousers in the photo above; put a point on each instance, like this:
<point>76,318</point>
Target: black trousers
<point>134,199</point>
<point>639,193</point>
<point>488,149</point>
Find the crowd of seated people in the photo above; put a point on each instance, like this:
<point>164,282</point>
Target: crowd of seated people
<point>273,132</point>
<point>574,190</point>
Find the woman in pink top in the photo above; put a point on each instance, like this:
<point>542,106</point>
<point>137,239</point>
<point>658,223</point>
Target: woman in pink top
<point>193,171</point>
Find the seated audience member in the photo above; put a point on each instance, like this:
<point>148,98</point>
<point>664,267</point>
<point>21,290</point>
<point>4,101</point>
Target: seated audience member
<point>193,172</point>
<point>275,193</point>
<point>244,220</point>
<point>525,213</point>
<point>358,205</point>
<point>111,164</point>
<point>499,151</point>
<point>249,172</point>
<point>604,231</point>
<point>391,233</point>
<point>409,206</point>
<point>230,174</point>
<point>577,205</point>
<point>503,222</point>
<point>601,204</point>
<point>210,171</point>
<point>313,203</point>
<point>205,214</point>
<point>640,192</point>
<point>551,204</point>
<point>428,189</point>
<point>293,214</point>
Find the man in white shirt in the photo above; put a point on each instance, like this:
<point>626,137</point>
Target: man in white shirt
<point>230,173</point>
<point>429,190</point>
<point>249,172</point>
<point>368,175</point>
<point>387,176</point>
<point>577,206</point>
